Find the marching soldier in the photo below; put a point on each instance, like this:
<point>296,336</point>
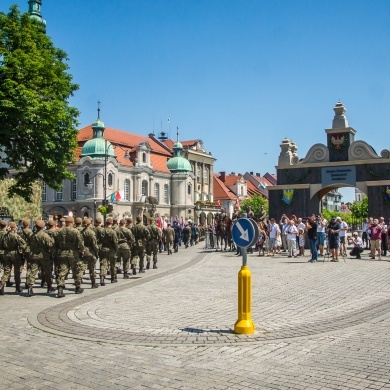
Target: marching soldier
<point>115,227</point>
<point>13,246</point>
<point>152,244</point>
<point>69,246</point>
<point>52,231</point>
<point>40,250</point>
<point>186,235</point>
<point>169,234</point>
<point>3,230</point>
<point>108,244</point>
<point>129,223</point>
<point>91,251</point>
<point>78,224</point>
<point>26,233</point>
<point>141,235</point>
<point>125,244</point>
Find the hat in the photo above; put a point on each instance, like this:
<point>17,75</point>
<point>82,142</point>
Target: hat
<point>78,220</point>
<point>26,222</point>
<point>51,223</point>
<point>122,221</point>
<point>40,223</point>
<point>69,219</point>
<point>109,220</point>
<point>338,218</point>
<point>115,219</point>
<point>12,225</point>
<point>98,220</point>
<point>62,219</point>
<point>355,234</point>
<point>87,221</point>
<point>3,223</point>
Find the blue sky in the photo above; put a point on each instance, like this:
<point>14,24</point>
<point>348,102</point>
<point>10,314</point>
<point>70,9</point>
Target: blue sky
<point>240,75</point>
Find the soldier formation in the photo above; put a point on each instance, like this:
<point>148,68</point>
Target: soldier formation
<point>50,251</point>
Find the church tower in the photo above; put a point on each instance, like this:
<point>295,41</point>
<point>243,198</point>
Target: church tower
<point>34,9</point>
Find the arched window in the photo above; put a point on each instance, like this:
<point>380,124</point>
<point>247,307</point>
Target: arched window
<point>110,179</point>
<point>86,179</point>
<point>157,191</point>
<point>166,193</point>
<point>126,189</point>
<point>144,187</point>
<point>189,189</point>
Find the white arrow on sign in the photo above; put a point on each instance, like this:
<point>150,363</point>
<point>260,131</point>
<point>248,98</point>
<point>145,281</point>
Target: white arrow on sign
<point>244,233</point>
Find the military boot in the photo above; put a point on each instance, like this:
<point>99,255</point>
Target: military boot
<point>18,288</point>
<point>102,282</point>
<point>60,292</point>
<point>113,280</point>
<point>134,269</point>
<point>8,283</point>
<point>119,271</point>
<point>126,275</point>
<point>148,265</point>
<point>154,264</point>
<point>2,289</point>
<point>79,290</point>
<point>50,288</point>
<point>93,282</point>
<point>30,292</point>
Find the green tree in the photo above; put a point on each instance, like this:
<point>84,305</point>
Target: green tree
<point>256,201</point>
<point>359,209</point>
<point>38,127</point>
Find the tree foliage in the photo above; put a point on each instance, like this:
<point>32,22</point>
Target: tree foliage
<point>38,127</point>
<point>359,209</point>
<point>256,201</point>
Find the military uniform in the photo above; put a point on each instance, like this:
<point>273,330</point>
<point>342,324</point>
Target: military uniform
<point>186,235</point>
<point>108,247</point>
<point>40,250</point>
<point>115,228</point>
<point>141,235</point>
<point>91,251</point>
<point>69,245</point>
<point>3,227</point>
<point>125,244</point>
<point>13,246</point>
<point>152,245</point>
<point>169,235</point>
<point>52,231</point>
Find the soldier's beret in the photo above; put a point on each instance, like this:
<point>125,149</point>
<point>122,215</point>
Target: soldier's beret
<point>122,221</point>
<point>12,225</point>
<point>152,219</point>
<point>88,221</point>
<point>78,220</point>
<point>51,223</point>
<point>26,222</point>
<point>109,220</point>
<point>40,223</point>
<point>115,220</point>
<point>3,223</point>
<point>62,220</point>
<point>98,220</point>
<point>69,219</point>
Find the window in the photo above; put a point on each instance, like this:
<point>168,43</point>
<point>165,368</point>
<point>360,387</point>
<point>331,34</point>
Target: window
<point>144,157</point>
<point>166,194</point>
<point>126,189</point>
<point>205,176</point>
<point>157,191</point>
<point>86,179</point>
<point>44,192</point>
<point>189,189</point>
<point>242,190</point>
<point>73,194</point>
<point>59,194</point>
<point>144,188</point>
<point>110,179</point>
<point>197,172</point>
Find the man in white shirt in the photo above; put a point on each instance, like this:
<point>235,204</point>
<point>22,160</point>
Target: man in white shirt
<point>357,245</point>
<point>274,233</point>
<point>321,227</point>
<point>342,234</point>
<point>292,233</point>
<point>300,225</point>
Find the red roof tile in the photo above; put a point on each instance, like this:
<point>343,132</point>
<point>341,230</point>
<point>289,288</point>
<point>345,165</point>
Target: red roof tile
<point>220,190</point>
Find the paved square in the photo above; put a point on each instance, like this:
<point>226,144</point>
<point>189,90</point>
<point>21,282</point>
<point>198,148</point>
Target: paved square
<point>318,326</point>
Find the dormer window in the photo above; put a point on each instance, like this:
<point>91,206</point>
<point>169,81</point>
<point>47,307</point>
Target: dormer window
<point>144,158</point>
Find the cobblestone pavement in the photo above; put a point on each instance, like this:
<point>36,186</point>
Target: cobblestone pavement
<point>318,326</point>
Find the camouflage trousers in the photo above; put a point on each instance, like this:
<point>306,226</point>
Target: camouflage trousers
<point>124,255</point>
<point>89,263</point>
<point>10,259</point>
<point>137,254</point>
<point>65,263</point>
<point>151,248</point>
<point>35,263</point>
<point>107,259</point>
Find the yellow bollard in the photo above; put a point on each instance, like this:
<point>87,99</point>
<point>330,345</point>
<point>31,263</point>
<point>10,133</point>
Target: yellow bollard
<point>244,324</point>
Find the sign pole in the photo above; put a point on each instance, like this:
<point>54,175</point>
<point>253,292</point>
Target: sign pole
<point>244,324</point>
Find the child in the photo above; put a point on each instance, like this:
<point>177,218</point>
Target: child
<point>261,242</point>
<point>301,235</point>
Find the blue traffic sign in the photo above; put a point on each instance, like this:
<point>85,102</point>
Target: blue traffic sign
<point>243,233</point>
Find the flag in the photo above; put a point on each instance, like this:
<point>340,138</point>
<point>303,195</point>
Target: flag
<point>262,185</point>
<point>112,197</point>
<point>218,203</point>
<point>118,196</point>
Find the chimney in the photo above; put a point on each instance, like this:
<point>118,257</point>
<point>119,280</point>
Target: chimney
<point>251,173</point>
<point>222,176</point>
<point>257,174</point>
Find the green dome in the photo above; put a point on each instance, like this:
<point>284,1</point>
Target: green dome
<point>95,148</point>
<point>98,124</point>
<point>178,163</point>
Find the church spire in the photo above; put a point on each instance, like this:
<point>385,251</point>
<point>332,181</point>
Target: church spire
<point>34,9</point>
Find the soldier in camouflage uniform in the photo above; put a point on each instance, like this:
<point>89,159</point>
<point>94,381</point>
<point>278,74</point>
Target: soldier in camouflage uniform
<point>115,227</point>
<point>78,225</point>
<point>26,233</point>
<point>129,223</point>
<point>91,251</point>
<point>169,234</point>
<point>152,244</point>
<point>186,235</point>
<point>125,243</point>
<point>141,235</point>
<point>108,245</point>
<point>13,246</point>
<point>3,230</point>
<point>69,246</point>
<point>52,231</point>
<point>41,245</point>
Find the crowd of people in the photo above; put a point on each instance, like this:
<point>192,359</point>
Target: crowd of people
<point>54,249</point>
